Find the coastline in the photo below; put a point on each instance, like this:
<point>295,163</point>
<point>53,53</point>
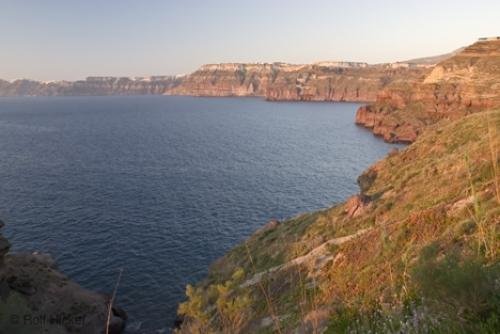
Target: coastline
<point>409,117</point>
<point>288,275</point>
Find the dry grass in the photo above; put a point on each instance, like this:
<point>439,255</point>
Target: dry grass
<point>493,145</point>
<point>302,290</point>
<point>269,303</point>
<point>418,197</point>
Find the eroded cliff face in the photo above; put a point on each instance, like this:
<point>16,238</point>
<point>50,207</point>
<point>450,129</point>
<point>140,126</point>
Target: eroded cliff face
<point>228,80</point>
<point>465,83</point>
<point>326,81</point>
<point>330,82</point>
<point>323,81</point>
<point>90,86</point>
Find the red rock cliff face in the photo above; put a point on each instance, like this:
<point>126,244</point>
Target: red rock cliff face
<point>465,83</point>
<point>227,80</point>
<point>337,81</point>
<point>325,81</point>
<point>330,82</point>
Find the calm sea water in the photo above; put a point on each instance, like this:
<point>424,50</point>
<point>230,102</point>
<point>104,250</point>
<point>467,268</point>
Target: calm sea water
<point>162,186</point>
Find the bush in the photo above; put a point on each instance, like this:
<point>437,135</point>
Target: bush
<point>448,295</point>
<point>464,293</point>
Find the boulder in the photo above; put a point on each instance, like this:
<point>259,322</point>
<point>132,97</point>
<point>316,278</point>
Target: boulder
<point>356,205</point>
<point>45,293</point>
<point>270,225</point>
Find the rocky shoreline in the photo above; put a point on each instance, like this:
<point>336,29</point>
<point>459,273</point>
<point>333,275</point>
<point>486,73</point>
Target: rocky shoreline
<point>36,298</point>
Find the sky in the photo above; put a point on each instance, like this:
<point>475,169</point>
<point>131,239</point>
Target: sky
<point>73,39</point>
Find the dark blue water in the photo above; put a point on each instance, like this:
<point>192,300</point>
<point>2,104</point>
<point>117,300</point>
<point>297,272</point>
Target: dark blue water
<point>162,186</point>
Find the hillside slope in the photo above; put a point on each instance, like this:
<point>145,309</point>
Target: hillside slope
<point>416,251</point>
<point>465,83</point>
<point>433,60</point>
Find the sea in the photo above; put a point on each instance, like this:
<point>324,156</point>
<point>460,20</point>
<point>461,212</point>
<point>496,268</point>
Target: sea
<point>161,186</point>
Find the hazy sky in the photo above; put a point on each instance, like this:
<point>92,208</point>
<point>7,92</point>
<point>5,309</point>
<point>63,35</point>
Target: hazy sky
<point>70,39</point>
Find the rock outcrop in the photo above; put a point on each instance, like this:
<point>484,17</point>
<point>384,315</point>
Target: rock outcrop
<point>465,83</point>
<point>356,205</point>
<point>36,298</point>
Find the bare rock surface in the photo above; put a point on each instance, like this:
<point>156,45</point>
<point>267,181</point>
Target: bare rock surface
<point>36,298</point>
<point>465,83</point>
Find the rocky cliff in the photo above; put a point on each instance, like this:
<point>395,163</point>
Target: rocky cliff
<point>416,251</point>
<point>36,298</point>
<point>228,80</point>
<point>467,82</point>
<point>325,81</point>
<point>331,82</point>
<point>90,86</point>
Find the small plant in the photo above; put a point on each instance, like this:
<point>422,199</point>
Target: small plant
<point>463,292</point>
<point>194,310</point>
<point>232,304</point>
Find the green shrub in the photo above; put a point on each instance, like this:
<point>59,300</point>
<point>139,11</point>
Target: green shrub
<point>463,292</point>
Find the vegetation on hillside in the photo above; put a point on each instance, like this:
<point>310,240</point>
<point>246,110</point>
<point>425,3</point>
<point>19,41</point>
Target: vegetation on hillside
<point>416,251</point>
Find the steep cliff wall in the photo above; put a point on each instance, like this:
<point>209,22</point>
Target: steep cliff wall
<point>327,81</point>
<point>465,83</point>
<point>330,82</point>
<point>90,86</point>
<point>228,80</point>
<point>323,81</point>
